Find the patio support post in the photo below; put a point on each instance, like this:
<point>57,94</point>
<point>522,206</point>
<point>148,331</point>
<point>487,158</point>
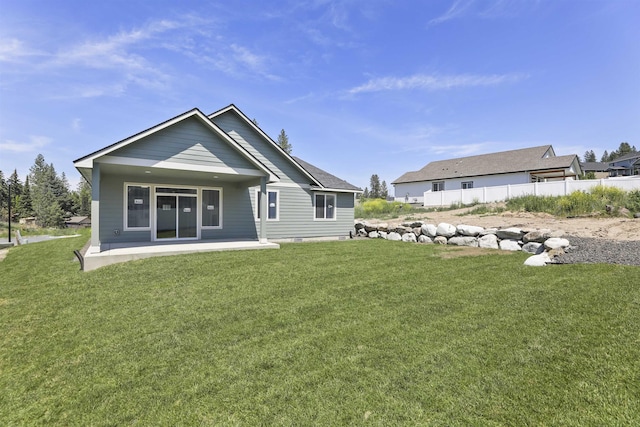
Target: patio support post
<point>95,209</point>
<point>264,209</point>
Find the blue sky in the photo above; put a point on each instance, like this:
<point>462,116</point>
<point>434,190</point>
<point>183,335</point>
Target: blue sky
<point>360,87</point>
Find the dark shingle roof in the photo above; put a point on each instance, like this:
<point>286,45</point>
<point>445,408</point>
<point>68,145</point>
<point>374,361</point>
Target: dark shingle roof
<point>325,178</point>
<point>594,166</point>
<point>512,161</point>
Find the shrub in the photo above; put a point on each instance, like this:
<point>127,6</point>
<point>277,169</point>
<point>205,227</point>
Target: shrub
<point>632,201</point>
<point>372,208</point>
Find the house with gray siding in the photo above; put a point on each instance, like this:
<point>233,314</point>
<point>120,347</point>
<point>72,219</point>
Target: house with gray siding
<point>216,177</point>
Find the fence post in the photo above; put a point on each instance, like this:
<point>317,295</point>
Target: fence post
<point>484,194</point>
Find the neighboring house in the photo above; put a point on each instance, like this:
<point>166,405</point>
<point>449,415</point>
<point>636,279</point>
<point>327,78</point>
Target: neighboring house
<point>219,177</point>
<point>535,164</point>
<point>78,222</point>
<point>599,169</point>
<point>627,165</point>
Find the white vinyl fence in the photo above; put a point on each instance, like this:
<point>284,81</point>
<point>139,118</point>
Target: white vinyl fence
<point>504,192</point>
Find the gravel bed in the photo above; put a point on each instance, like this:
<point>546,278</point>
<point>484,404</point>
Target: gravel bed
<point>587,250</point>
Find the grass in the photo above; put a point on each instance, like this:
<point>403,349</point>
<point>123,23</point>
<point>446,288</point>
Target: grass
<point>33,230</point>
<point>332,333</point>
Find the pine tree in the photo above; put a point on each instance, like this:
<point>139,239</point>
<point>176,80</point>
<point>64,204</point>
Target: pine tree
<point>283,142</point>
<point>46,206</point>
<point>374,183</point>
<point>605,156</point>
<point>365,193</point>
<point>384,191</point>
<point>4,197</point>
<point>589,156</point>
<point>24,208</point>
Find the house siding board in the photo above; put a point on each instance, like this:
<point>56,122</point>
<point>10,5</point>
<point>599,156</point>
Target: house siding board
<point>261,149</point>
<point>187,142</point>
<point>297,215</point>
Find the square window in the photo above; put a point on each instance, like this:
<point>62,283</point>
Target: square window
<point>325,206</point>
<point>437,186</point>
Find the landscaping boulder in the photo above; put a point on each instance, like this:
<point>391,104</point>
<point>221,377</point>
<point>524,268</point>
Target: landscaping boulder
<point>424,239</point>
<point>441,240</point>
<point>374,234</point>
<point>382,234</point>
<point>556,242</point>
<point>463,241</point>
<point>533,247</point>
<point>509,245</point>
<point>539,260</point>
<point>394,236</point>
<point>429,230</point>
<point>511,233</point>
<point>489,241</point>
<point>469,230</point>
<point>446,230</point>
<point>409,237</point>
<point>536,236</point>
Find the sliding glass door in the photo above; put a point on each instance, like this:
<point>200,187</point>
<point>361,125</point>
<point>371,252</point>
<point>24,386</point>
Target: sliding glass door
<point>176,214</point>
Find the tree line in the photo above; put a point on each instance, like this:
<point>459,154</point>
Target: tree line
<point>623,150</point>
<point>376,189</point>
<point>44,195</point>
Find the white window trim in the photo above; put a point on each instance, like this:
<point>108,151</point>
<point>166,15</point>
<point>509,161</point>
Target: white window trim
<point>466,185</point>
<point>440,184</point>
<point>256,210</point>
<point>335,207</point>
<point>125,213</point>
<point>221,198</point>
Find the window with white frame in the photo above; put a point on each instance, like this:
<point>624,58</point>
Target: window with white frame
<point>325,206</point>
<point>137,207</point>
<point>467,185</point>
<point>437,186</point>
<point>273,204</point>
<point>211,208</point>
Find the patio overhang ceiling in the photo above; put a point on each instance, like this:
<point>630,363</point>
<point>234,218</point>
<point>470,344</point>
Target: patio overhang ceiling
<point>555,173</point>
<point>169,171</point>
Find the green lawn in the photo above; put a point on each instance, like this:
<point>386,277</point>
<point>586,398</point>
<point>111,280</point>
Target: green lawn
<point>337,333</point>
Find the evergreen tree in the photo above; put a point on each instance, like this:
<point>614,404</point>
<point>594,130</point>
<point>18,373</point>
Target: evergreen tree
<point>374,183</point>
<point>82,199</point>
<point>46,206</point>
<point>4,197</point>
<point>589,156</point>
<point>365,193</point>
<point>605,156</point>
<point>24,208</point>
<point>283,142</point>
<point>384,191</point>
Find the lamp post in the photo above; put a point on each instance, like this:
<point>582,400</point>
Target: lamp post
<point>9,187</point>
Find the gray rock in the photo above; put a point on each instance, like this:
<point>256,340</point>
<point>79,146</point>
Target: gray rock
<point>469,230</point>
<point>383,226</point>
<point>536,236</point>
<point>489,241</point>
<point>556,242</point>
<point>429,230</point>
<point>362,233</point>
<point>417,231</point>
<point>463,241</point>
<point>394,236</point>
<point>359,224</point>
<point>446,230</point>
<point>533,248</point>
<point>539,260</point>
<point>636,215</point>
<point>509,245</point>
<point>440,240</point>
<point>409,237</point>
<point>511,233</point>
<point>424,239</point>
<point>382,234</point>
<point>374,234</point>
<point>489,231</point>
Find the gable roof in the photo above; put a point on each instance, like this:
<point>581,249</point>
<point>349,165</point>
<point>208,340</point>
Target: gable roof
<point>327,181</point>
<point>628,156</point>
<point>250,123</point>
<point>511,161</point>
<point>83,164</point>
<point>594,166</point>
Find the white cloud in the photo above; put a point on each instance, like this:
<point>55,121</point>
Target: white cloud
<point>35,143</point>
<point>457,9</point>
<point>434,82</point>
